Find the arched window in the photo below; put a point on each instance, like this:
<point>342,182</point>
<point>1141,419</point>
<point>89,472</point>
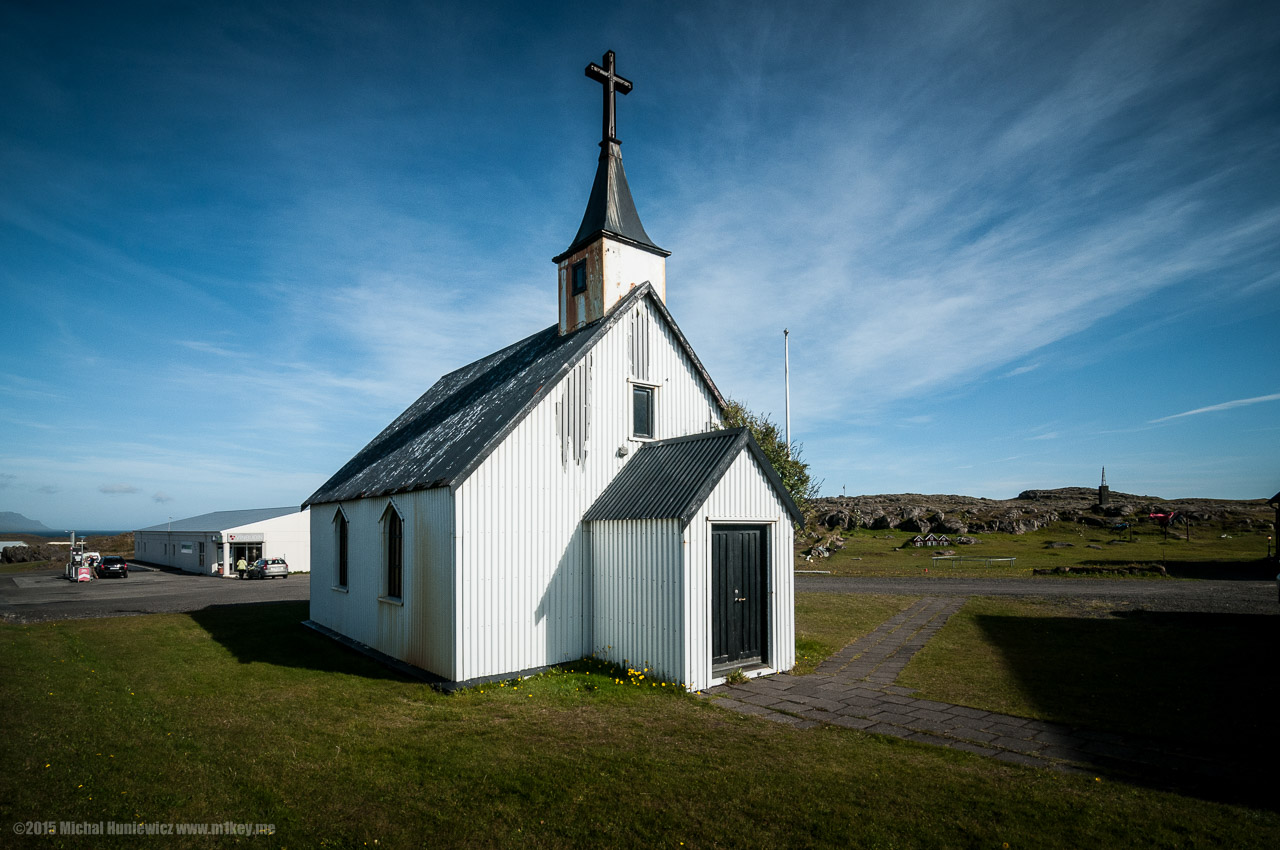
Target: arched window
<point>341,530</point>
<point>394,537</point>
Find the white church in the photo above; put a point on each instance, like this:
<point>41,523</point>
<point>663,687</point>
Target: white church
<point>573,493</point>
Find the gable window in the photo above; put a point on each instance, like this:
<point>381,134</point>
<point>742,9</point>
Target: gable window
<point>394,537</point>
<point>578,275</point>
<point>641,411</point>
<point>341,522</point>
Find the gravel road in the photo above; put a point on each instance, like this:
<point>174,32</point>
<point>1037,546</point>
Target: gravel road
<point>1240,597</point>
<point>42,596</point>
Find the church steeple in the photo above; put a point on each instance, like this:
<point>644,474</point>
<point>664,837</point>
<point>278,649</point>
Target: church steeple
<point>612,252</point>
<point>610,209</point>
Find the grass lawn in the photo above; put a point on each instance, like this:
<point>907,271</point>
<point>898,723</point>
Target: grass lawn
<point>1206,681</point>
<point>827,622</point>
<point>1207,555</point>
<point>239,714</point>
<point>29,567</point>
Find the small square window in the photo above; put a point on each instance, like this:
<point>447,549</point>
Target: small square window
<point>579,275</point>
<point>642,411</point>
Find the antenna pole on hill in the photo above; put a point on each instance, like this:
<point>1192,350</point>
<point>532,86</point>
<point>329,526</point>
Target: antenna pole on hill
<point>786,379</point>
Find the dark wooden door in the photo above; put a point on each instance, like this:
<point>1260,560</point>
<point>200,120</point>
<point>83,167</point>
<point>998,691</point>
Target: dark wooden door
<point>737,593</point>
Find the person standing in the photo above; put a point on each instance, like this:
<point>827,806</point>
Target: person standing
<point>241,566</point>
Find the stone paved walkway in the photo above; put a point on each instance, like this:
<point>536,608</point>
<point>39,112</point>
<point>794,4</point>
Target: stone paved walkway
<point>855,688</point>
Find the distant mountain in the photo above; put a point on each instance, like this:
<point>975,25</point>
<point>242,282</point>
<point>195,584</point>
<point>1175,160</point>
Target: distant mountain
<point>10,521</point>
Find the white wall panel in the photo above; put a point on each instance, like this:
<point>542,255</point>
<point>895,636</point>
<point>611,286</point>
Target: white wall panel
<point>524,591</point>
<point>638,595</point>
<point>420,629</point>
<point>287,537</point>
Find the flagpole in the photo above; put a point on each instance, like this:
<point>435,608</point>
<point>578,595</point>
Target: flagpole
<point>786,375</point>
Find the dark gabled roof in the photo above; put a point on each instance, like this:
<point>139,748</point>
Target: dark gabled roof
<point>670,479</point>
<point>221,520</point>
<point>610,209</point>
<point>453,427</point>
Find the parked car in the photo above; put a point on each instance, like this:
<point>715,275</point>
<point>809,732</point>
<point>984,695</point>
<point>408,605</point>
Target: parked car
<point>113,565</point>
<point>268,568</point>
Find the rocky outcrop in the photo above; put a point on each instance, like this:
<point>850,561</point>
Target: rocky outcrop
<point>1031,510</point>
<point>30,554</point>
<point>1132,570</point>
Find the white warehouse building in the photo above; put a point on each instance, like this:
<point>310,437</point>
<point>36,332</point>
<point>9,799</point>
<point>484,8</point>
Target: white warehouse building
<point>215,541</point>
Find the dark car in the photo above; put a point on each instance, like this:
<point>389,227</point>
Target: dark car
<point>113,565</point>
<point>268,568</point>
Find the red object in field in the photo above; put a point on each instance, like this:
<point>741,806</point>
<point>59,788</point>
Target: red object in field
<point>84,573</point>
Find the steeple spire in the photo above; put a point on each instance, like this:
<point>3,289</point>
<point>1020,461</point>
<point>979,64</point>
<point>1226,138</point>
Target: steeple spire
<point>611,253</point>
<point>610,208</point>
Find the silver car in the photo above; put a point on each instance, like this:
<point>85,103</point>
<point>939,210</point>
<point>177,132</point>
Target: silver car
<point>268,568</point>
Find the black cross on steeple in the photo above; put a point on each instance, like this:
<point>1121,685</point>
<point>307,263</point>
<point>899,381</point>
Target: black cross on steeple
<point>612,83</point>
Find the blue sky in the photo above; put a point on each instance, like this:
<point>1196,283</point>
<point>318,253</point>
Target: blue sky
<point>1013,242</point>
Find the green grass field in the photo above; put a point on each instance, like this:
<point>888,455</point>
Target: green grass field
<point>239,714</point>
<point>1196,679</point>
<point>30,567</point>
<point>1207,555</point>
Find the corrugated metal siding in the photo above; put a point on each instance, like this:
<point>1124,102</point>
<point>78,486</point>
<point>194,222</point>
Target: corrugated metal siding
<point>421,630</point>
<point>638,343</point>
<point>638,595</point>
<point>743,495</point>
<point>573,413</point>
<point>520,547</point>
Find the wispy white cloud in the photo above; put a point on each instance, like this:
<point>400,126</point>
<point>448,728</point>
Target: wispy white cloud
<point>903,270</point>
<point>27,388</point>
<point>161,497</point>
<point>209,348</point>
<point>117,489</point>
<point>1021,370</point>
<point>1226,405</point>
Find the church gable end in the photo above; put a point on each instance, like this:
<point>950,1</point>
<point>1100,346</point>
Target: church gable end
<point>454,426</point>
